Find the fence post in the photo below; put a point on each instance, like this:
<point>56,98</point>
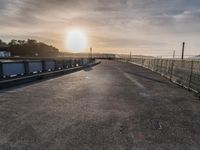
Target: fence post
<point>1,70</point>
<point>172,69</point>
<point>154,64</point>
<point>191,73</point>
<point>142,62</point>
<point>161,66</point>
<point>26,67</point>
<point>149,63</point>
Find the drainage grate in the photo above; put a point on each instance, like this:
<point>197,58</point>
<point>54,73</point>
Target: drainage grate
<point>156,124</point>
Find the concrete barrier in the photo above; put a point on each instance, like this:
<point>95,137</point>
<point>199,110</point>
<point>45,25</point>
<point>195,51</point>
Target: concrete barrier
<point>49,65</point>
<point>19,72</point>
<point>12,69</point>
<point>35,67</point>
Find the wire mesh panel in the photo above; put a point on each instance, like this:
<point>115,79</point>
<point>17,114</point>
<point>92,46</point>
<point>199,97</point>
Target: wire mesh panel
<point>181,72</point>
<point>146,63</point>
<point>169,68</point>
<point>160,61</point>
<point>155,64</point>
<point>184,72</point>
<point>137,61</point>
<point>166,68</point>
<point>152,64</point>
<point>195,76</point>
<point>163,70</point>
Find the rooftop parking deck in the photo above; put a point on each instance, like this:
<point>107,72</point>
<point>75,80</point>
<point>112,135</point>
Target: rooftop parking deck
<point>111,106</point>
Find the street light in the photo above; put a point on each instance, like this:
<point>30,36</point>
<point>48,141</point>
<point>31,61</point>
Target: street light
<point>91,52</point>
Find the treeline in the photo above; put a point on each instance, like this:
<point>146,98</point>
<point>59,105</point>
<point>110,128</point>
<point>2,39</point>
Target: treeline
<point>29,48</point>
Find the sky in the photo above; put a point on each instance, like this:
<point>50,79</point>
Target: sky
<point>144,27</point>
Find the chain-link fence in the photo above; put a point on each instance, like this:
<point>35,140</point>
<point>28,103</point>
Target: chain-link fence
<point>182,72</point>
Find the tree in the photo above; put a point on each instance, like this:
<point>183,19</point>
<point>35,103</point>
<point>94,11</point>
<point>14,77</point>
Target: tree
<point>2,43</point>
<point>21,42</point>
<point>31,48</point>
<point>12,42</point>
<point>30,41</point>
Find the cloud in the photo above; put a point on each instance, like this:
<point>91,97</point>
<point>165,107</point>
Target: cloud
<point>113,23</point>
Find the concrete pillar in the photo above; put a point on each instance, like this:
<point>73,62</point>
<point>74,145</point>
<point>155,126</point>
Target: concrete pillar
<point>74,62</point>
<point>68,63</point>
<point>43,66</point>
<point>26,67</point>
<point>79,62</point>
<point>1,70</point>
<point>56,65</point>
<point>63,64</point>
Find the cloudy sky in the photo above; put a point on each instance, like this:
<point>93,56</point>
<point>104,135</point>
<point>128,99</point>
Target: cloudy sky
<point>150,27</point>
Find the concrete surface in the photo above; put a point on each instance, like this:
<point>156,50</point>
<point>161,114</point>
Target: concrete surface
<point>112,106</point>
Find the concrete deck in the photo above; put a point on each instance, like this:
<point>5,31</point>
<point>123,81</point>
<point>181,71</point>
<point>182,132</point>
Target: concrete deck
<point>112,106</point>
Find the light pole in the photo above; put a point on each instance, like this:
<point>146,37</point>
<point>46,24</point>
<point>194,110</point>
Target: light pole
<point>183,50</point>
<point>91,52</point>
<point>174,53</point>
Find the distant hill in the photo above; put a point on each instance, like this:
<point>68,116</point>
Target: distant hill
<point>29,48</point>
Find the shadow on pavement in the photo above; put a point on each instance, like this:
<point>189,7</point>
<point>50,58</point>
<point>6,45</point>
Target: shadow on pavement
<point>148,78</point>
<point>28,83</point>
<point>88,69</point>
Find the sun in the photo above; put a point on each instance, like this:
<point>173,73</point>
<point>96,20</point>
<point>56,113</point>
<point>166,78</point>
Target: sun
<point>76,41</point>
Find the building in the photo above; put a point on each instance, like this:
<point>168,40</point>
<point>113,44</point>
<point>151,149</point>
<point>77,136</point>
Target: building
<point>4,52</point>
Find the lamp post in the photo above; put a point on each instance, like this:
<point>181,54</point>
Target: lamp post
<point>91,52</point>
<point>183,50</point>
<point>174,53</point>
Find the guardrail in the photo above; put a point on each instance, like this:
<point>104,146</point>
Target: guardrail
<point>183,72</point>
<point>21,68</point>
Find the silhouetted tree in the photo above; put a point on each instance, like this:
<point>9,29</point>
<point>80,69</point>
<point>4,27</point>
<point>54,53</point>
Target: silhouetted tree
<point>12,42</point>
<point>2,43</point>
<point>21,42</point>
<point>29,48</point>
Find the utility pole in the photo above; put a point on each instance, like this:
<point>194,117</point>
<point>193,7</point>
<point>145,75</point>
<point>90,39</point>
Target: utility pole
<point>174,53</point>
<point>130,54</point>
<point>183,50</point>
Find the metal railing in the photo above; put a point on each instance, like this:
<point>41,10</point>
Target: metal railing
<point>183,72</point>
<point>19,68</point>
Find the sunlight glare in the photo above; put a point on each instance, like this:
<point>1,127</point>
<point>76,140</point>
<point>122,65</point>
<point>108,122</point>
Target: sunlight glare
<point>76,41</point>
